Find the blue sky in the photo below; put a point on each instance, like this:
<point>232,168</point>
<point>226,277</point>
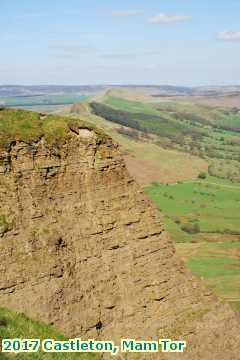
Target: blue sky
<point>178,42</point>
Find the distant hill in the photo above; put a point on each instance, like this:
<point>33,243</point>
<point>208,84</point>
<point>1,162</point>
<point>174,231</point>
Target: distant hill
<point>34,90</point>
<point>210,133</point>
<point>156,90</point>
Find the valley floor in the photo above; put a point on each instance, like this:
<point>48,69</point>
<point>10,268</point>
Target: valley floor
<point>203,220</point>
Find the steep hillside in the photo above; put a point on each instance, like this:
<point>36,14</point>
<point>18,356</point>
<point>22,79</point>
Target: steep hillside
<point>81,245</point>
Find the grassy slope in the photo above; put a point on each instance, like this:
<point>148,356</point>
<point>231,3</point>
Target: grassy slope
<point>131,106</point>
<point>217,117</point>
<point>16,325</point>
<point>163,161</point>
<point>147,160</point>
<point>158,124</point>
<point>211,133</point>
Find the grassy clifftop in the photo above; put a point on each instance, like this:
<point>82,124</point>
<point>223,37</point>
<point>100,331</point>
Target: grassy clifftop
<point>30,126</point>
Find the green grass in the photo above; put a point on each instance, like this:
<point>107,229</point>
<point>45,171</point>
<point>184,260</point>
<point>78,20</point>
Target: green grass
<point>211,267</point>
<point>45,100</point>
<point>212,203</point>
<point>30,126</point>
<point>131,106</point>
<point>16,325</point>
<point>217,264</point>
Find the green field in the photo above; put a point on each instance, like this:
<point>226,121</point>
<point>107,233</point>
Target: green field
<point>131,106</point>
<point>212,204</point>
<point>45,109</point>
<point>41,100</point>
<point>217,264</point>
<point>15,325</point>
<point>203,218</point>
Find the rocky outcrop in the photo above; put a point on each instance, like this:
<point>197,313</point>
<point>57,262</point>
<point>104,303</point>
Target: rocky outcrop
<point>83,246</point>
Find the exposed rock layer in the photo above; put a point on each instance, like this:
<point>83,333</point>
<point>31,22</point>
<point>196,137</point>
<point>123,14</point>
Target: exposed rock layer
<point>80,243</point>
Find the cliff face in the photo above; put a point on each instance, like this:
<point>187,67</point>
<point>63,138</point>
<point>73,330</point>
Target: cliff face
<point>80,245</point>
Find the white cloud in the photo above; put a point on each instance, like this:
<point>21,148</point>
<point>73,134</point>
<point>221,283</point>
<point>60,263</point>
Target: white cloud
<point>229,35</point>
<point>126,13</point>
<point>167,19</point>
